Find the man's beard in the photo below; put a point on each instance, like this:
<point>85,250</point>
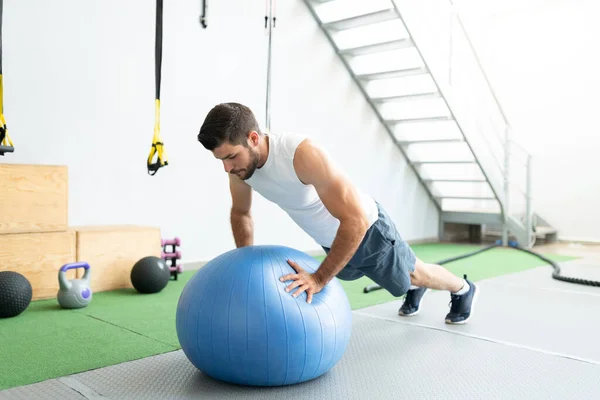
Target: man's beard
<point>250,168</point>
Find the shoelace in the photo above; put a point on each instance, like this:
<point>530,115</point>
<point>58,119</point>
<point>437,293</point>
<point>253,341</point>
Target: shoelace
<point>454,304</point>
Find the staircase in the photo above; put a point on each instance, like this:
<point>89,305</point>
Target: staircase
<point>435,101</point>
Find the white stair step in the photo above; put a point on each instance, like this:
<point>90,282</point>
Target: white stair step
<point>400,73</point>
<point>371,34</point>
<point>465,197</point>
<point>542,231</point>
<point>451,171</point>
<point>440,151</point>
<point>361,20</point>
<point>416,96</point>
<point>461,189</point>
<point>400,86</point>
<point>418,108</point>
<point>419,120</point>
<point>399,113</point>
<point>457,180</point>
<point>471,216</point>
<point>335,10</point>
<point>431,131</point>
<point>484,207</point>
<point>430,141</point>
<point>386,61</point>
<point>378,47</point>
<point>430,162</point>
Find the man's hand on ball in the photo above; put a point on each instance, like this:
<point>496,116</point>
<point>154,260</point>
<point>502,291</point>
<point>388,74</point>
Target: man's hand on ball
<point>304,281</point>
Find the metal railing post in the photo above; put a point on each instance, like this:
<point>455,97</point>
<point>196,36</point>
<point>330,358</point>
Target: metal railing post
<point>528,205</point>
<point>269,27</point>
<point>451,39</point>
<point>506,185</point>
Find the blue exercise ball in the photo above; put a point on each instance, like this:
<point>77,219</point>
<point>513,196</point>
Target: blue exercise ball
<point>237,324</point>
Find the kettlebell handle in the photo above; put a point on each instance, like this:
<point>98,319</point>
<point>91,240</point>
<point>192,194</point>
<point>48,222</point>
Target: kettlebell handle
<point>75,265</point>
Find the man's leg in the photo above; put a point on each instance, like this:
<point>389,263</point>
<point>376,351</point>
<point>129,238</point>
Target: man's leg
<point>432,276</point>
<point>389,261</point>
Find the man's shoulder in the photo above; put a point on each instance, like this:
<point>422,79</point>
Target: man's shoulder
<point>289,136</point>
<point>288,143</point>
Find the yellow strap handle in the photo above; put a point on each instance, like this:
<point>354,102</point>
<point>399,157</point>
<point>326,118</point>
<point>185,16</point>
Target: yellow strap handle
<point>6,144</point>
<point>7,141</point>
<point>157,145</point>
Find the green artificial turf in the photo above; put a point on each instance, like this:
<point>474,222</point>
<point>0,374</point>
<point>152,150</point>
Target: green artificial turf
<point>46,342</point>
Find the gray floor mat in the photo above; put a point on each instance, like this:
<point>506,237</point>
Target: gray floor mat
<point>528,309</point>
<point>384,360</point>
<point>50,389</point>
<point>532,337</point>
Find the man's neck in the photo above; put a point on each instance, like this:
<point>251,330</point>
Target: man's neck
<point>263,149</point>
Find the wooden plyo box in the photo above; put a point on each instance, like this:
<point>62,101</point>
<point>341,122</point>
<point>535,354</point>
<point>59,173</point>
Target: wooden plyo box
<point>38,257</point>
<point>34,198</point>
<point>112,250</point>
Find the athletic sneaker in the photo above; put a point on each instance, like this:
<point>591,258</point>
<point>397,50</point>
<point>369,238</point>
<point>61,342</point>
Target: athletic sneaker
<point>461,307</point>
<point>412,302</point>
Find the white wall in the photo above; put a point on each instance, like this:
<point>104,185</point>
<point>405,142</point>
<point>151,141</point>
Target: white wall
<point>542,58</point>
<point>79,91</point>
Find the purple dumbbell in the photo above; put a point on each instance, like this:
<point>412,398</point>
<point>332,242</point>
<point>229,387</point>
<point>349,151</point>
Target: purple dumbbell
<point>176,268</point>
<point>176,255</point>
<point>176,242</point>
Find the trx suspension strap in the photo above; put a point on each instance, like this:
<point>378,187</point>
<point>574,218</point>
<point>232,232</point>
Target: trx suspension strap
<point>269,13</point>
<point>203,16</point>
<point>6,145</point>
<point>157,144</point>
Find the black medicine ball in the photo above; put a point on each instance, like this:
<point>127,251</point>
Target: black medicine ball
<point>150,275</point>
<point>15,294</point>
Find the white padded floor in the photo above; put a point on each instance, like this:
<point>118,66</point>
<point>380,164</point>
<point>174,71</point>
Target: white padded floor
<point>528,309</point>
<point>531,338</point>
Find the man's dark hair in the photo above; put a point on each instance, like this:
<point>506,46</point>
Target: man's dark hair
<point>227,122</point>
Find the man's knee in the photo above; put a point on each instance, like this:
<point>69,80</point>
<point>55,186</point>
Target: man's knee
<point>396,287</point>
<point>396,279</point>
<point>419,275</point>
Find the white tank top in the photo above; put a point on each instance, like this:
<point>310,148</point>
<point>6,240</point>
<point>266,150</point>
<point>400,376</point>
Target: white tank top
<point>277,181</point>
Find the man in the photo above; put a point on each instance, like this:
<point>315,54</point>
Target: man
<point>358,236</point>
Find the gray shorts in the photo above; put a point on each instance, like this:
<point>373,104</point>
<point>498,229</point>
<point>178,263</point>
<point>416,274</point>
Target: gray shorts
<point>383,257</point>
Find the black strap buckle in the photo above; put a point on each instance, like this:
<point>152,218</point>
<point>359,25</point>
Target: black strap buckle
<point>3,148</point>
<point>153,167</point>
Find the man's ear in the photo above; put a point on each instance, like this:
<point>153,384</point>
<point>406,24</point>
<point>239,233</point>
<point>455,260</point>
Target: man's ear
<point>253,138</point>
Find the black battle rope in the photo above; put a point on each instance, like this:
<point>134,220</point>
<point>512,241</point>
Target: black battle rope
<point>6,144</point>
<point>556,274</point>
<point>157,143</point>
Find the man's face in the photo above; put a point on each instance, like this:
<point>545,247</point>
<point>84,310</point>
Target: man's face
<point>238,159</point>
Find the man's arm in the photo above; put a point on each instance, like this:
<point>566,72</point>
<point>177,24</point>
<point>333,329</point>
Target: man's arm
<point>242,225</point>
<point>341,199</point>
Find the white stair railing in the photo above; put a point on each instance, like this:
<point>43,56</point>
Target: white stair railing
<point>417,67</point>
<point>439,32</point>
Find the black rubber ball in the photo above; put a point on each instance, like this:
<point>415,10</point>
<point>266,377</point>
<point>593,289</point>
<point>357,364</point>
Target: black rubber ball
<point>150,275</point>
<point>15,294</point>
